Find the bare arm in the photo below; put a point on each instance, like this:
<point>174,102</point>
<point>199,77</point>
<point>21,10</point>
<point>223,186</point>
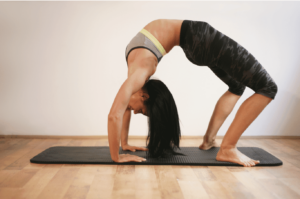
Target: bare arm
<point>125,127</point>
<point>132,84</point>
<point>125,132</point>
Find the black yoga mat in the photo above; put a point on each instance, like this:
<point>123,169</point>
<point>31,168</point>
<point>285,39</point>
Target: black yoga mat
<point>193,156</point>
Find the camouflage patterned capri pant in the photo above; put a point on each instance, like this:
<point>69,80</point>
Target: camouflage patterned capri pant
<point>203,45</point>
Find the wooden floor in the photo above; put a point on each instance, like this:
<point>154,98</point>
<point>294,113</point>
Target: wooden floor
<point>21,179</point>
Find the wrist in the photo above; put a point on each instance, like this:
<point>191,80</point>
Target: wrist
<point>115,158</point>
<point>124,144</point>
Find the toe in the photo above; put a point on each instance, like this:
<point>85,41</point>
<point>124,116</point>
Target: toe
<point>245,164</point>
<point>250,164</point>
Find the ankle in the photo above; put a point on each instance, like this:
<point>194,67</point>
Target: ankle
<point>209,139</point>
<point>227,147</point>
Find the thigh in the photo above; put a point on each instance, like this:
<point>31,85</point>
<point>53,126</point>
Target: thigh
<point>235,86</point>
<point>249,72</point>
<point>243,67</point>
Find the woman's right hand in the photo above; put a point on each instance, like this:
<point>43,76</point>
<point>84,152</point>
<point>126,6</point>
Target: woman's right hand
<point>130,158</point>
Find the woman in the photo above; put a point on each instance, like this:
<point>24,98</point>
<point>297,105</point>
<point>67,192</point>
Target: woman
<point>203,45</point>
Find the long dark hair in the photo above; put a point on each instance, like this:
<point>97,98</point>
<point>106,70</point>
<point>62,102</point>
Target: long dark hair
<point>163,121</point>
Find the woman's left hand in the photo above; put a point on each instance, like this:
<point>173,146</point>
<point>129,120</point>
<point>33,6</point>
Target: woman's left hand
<point>133,148</point>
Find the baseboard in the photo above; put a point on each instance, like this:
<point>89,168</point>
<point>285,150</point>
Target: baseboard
<point>134,137</point>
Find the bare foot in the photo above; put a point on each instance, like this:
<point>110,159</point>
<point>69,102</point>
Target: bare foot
<point>208,144</point>
<point>232,154</point>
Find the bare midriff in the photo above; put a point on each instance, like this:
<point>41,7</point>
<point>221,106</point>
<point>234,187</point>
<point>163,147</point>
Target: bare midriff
<point>167,32</point>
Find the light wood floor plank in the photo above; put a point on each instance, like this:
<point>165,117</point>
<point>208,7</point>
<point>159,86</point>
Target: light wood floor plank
<point>75,142</point>
<point>190,186</point>
<point>19,179</point>
<point>260,173</point>
<point>8,193</point>
<point>278,188</point>
<point>278,143</point>
<point>210,183</point>
<point>103,182</point>
<point>22,162</point>
<point>59,184</point>
<point>88,142</point>
<point>36,184</point>
<point>167,182</point>
<point>14,152</point>
<point>292,183</point>
<point>203,173</point>
<point>6,175</point>
<point>252,185</point>
<point>81,184</point>
<point>146,184</point>
<point>230,183</point>
<point>124,183</point>
<point>216,190</point>
<point>6,143</point>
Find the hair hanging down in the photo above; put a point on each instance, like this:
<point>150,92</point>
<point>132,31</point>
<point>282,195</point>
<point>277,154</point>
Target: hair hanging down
<point>163,121</point>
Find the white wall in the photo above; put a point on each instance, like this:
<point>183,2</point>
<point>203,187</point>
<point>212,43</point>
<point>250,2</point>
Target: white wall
<point>62,63</point>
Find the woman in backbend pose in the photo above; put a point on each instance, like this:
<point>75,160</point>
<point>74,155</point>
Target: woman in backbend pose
<point>203,45</point>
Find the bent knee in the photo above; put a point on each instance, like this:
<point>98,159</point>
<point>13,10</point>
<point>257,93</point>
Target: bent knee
<point>269,90</point>
<point>238,90</point>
